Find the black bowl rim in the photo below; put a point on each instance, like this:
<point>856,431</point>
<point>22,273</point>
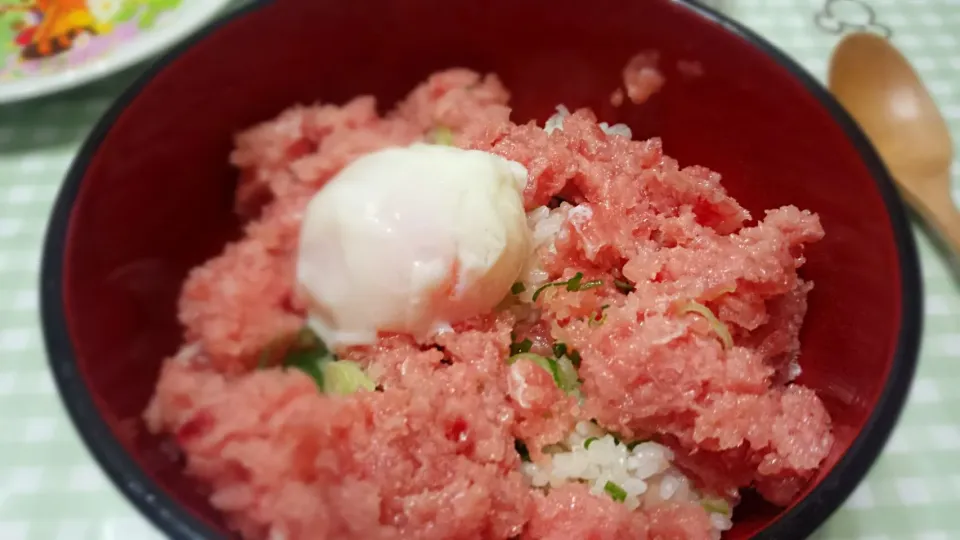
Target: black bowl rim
<point>180,524</point>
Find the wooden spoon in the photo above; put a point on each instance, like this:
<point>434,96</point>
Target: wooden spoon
<point>880,89</point>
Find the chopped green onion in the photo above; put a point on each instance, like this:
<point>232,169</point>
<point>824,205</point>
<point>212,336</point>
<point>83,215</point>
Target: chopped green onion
<point>307,339</point>
<point>589,441</point>
<point>521,449</point>
<point>600,317</point>
<point>310,355</point>
<point>536,293</point>
<point>518,288</point>
<point>716,505</point>
<point>343,377</point>
<point>304,343</point>
<point>309,362</point>
<point>561,369</point>
<point>306,353</point>
<point>624,285</point>
<point>548,364</point>
<point>717,292</point>
<point>587,285</point>
<point>566,375</point>
<point>718,327</point>
<point>615,492</point>
<point>520,348</point>
<point>573,284</point>
<point>561,349</point>
<point>574,357</point>
<point>443,135</point>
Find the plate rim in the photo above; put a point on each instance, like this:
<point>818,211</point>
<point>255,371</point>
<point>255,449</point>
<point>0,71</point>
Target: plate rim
<point>148,45</point>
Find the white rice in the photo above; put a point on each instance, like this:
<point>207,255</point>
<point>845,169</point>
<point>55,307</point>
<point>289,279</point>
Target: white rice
<point>793,370</point>
<point>546,227</point>
<point>556,122</point>
<point>546,224</point>
<point>645,473</point>
<point>188,353</point>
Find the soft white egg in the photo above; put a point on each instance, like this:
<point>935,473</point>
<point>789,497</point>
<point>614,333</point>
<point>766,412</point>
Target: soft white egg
<point>412,240</point>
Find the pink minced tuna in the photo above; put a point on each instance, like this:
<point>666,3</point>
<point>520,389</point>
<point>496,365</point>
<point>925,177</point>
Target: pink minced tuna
<point>691,342</point>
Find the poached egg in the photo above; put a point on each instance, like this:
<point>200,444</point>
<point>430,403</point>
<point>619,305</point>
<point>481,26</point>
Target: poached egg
<point>411,240</point>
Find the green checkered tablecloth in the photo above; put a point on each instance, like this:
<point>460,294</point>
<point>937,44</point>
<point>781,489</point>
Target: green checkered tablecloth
<point>50,488</point>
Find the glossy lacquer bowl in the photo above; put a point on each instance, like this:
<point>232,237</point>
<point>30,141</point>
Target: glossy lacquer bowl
<point>150,196</point>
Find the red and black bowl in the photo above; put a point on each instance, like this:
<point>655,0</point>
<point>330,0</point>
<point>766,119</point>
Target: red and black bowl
<point>150,196</point>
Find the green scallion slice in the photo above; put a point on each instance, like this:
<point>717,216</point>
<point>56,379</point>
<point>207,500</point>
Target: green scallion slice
<point>624,285</point>
<point>443,135</point>
<point>716,505</point>
<point>573,284</point>
<point>308,362</point>
<point>600,317</point>
<point>548,364</point>
<point>561,369</point>
<point>566,375</point>
<point>307,353</point>
<point>343,378</point>
<point>310,355</point>
<point>306,339</point>
<point>588,285</point>
<point>589,441</point>
<point>634,444</point>
<point>718,327</point>
<point>521,347</point>
<point>615,492</point>
<point>717,292</point>
<point>518,288</point>
<point>305,346</point>
<point>536,293</point>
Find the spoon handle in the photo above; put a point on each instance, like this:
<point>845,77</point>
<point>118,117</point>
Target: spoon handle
<point>937,208</point>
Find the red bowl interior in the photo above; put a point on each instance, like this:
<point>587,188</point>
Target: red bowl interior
<point>154,191</point>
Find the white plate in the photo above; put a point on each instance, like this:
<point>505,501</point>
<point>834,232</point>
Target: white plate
<point>91,39</point>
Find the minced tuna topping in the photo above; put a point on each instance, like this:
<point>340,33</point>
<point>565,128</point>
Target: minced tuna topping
<point>632,382</point>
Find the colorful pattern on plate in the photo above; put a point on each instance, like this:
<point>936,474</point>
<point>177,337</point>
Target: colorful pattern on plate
<point>47,36</point>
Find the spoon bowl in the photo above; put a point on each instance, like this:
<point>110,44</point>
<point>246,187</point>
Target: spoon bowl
<point>883,92</point>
